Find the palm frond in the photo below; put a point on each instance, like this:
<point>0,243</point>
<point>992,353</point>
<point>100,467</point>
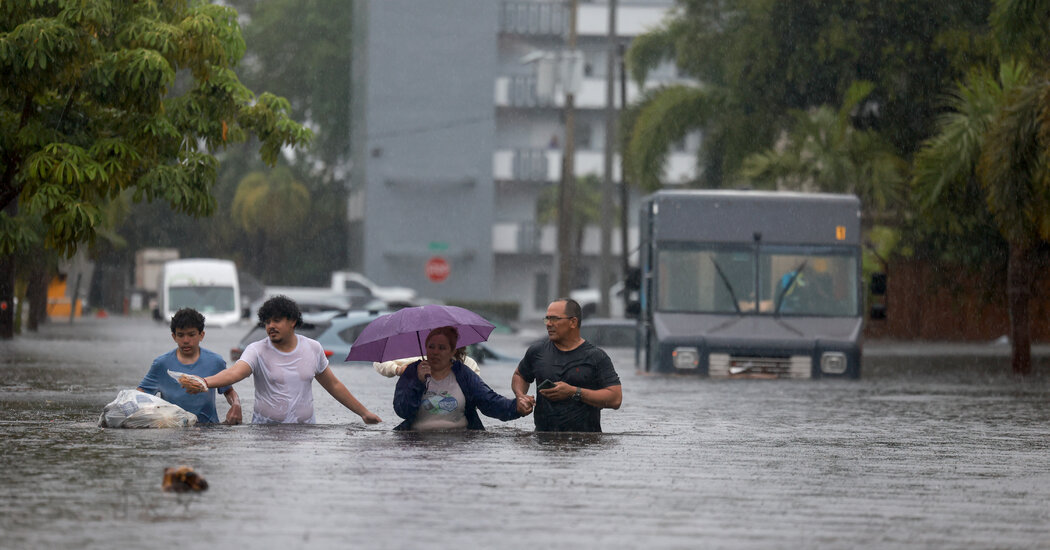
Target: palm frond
<point>1020,26</point>
<point>648,50</point>
<point>666,117</point>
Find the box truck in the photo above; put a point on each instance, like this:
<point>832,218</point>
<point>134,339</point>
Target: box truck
<point>208,285</point>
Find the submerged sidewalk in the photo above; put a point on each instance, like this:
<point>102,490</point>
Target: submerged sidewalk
<point>913,348</point>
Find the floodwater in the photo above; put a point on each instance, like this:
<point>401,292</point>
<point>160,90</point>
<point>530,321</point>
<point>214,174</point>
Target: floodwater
<point>933,447</point>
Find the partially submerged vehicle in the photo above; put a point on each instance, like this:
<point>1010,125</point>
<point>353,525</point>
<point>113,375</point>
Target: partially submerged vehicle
<point>751,284</point>
<point>208,285</point>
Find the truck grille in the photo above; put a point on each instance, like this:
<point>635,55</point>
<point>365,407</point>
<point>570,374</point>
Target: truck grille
<point>723,365</point>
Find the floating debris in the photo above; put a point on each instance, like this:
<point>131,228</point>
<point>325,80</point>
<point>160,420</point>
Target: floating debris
<point>181,479</point>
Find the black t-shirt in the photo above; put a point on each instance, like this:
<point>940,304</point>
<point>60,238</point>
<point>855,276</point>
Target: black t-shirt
<point>587,367</point>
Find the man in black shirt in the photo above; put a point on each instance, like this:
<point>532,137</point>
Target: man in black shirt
<point>582,378</point>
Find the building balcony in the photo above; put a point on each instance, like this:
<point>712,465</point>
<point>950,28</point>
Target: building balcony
<point>530,238</point>
<point>534,18</point>
<point>552,19</point>
<point>519,91</point>
<point>544,165</point>
<point>523,238</point>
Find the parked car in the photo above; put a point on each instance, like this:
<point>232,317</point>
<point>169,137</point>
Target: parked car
<point>319,299</point>
<point>334,330</point>
<point>396,296</point>
<point>610,333</point>
<point>590,298</point>
<point>605,333</point>
<point>337,331</point>
<point>484,352</point>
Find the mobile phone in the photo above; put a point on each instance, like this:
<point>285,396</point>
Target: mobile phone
<point>546,384</point>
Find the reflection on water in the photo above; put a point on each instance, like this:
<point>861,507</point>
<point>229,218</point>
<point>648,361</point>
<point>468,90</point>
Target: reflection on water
<point>946,452</point>
<point>572,442</point>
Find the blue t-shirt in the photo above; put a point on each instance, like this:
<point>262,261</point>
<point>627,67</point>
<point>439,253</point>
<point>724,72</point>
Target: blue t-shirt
<point>158,382</point>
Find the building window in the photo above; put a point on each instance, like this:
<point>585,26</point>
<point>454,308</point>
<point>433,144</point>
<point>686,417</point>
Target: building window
<point>583,136</point>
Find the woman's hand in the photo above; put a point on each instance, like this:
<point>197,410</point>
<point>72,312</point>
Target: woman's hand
<point>525,405</point>
<point>423,371</point>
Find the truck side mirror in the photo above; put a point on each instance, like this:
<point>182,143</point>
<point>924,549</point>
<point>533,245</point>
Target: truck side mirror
<point>878,288</point>
<point>633,280</point>
<point>878,284</point>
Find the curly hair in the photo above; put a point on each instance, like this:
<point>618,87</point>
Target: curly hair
<point>281,307</point>
<point>187,317</point>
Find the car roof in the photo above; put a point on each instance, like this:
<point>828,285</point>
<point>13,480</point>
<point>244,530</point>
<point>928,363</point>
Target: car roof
<point>607,321</point>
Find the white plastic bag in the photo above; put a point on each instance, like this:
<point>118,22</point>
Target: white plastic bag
<point>135,409</point>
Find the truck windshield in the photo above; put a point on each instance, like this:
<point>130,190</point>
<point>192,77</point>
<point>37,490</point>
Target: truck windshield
<point>768,280</point>
<point>205,299</point>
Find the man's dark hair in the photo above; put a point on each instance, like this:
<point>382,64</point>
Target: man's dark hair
<point>187,317</point>
<point>572,309</point>
<point>281,307</point>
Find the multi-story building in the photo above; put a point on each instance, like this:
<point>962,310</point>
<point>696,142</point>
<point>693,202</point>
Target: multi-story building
<point>453,147</point>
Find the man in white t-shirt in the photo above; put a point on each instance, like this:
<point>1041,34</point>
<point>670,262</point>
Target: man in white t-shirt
<point>284,365</point>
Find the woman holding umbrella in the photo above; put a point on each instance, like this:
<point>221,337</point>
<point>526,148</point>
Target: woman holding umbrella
<point>441,393</point>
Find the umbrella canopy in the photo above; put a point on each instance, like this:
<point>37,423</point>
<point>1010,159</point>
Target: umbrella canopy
<point>401,334</point>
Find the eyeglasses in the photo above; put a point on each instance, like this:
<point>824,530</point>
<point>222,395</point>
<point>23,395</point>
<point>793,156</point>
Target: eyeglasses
<point>552,318</point>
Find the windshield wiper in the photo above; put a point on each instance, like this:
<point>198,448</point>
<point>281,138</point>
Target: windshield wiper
<point>722,275</point>
<point>787,287</point>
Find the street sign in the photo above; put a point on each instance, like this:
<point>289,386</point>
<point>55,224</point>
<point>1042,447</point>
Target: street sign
<point>437,269</point>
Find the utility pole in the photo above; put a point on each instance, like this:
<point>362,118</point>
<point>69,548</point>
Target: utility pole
<point>624,196</point>
<point>606,279</point>
<point>566,193</point>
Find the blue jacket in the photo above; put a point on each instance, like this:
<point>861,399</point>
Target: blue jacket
<point>408,396</point>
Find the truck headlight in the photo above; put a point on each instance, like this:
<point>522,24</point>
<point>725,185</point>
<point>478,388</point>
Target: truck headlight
<point>685,358</point>
<point>833,362</point>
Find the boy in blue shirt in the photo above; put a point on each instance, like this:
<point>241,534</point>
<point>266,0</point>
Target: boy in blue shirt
<point>187,329</point>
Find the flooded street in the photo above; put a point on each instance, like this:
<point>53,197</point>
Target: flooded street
<point>923,451</point>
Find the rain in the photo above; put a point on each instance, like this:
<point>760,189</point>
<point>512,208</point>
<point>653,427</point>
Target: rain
<point>376,155</point>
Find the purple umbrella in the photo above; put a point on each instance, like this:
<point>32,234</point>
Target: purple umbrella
<point>401,334</point>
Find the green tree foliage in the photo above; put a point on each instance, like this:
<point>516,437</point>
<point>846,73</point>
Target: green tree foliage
<point>301,50</point>
<point>825,152</point>
<point>660,120</point>
<point>271,208</point>
<point>991,152</point>
<point>985,171</point>
<point>760,60</point>
<point>102,97</point>
<point>586,207</point>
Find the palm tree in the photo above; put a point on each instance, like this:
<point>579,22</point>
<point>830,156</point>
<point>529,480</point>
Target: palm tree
<point>994,139</point>
<point>825,152</point>
<point>586,207</point>
<point>271,207</point>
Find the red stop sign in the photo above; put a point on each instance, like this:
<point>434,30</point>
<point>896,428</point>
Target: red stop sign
<point>437,269</point>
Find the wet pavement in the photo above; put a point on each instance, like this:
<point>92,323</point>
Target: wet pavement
<point>935,446</point>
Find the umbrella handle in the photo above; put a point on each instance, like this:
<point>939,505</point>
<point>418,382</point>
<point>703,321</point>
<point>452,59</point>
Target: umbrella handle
<point>426,379</point>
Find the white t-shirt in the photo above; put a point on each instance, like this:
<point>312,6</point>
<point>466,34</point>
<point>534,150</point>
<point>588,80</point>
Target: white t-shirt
<point>442,406</point>
<point>284,381</point>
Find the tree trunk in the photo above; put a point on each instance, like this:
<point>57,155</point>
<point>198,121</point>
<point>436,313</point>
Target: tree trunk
<point>7,297</point>
<point>36,295</point>
<point>1019,295</point>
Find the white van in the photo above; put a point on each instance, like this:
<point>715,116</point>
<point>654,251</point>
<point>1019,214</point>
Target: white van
<point>208,285</point>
